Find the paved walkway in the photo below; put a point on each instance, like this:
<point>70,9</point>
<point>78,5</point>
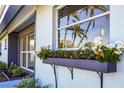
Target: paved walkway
<point>9,84</point>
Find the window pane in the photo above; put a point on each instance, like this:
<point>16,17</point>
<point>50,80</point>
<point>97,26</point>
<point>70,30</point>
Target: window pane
<point>24,43</point>
<point>31,60</point>
<point>31,42</point>
<point>73,13</point>
<point>0,47</point>
<point>24,59</point>
<point>77,35</point>
<point>5,44</point>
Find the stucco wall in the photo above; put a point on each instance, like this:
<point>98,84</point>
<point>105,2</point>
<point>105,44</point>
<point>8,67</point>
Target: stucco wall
<point>4,55</point>
<point>43,38</point>
<point>82,78</point>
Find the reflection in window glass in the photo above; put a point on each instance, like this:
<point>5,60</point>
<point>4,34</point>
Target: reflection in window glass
<point>74,13</point>
<point>76,36</point>
<point>31,42</point>
<point>0,47</point>
<point>31,60</point>
<point>5,44</point>
<point>24,59</point>
<point>24,43</point>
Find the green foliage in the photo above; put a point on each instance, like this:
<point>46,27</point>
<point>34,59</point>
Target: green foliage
<point>76,54</point>
<point>102,54</point>
<point>2,66</point>
<point>45,52</point>
<point>30,83</point>
<point>89,53</point>
<point>109,55</point>
<point>15,71</point>
<point>89,45</point>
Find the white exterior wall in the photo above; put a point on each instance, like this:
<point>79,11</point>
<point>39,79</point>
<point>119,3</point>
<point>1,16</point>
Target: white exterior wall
<point>4,53</point>
<point>116,33</point>
<point>82,78</point>
<point>43,38</point>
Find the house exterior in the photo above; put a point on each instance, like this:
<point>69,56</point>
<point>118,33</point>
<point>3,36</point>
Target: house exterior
<point>25,28</point>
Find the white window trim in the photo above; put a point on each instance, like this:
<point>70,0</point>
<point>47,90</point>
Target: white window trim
<point>63,27</point>
<point>27,69</point>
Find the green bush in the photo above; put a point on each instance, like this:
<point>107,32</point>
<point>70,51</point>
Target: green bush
<point>15,71</point>
<point>2,66</point>
<point>30,83</point>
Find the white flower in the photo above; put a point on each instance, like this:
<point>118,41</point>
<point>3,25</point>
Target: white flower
<point>110,46</point>
<point>107,46</point>
<point>118,52</point>
<point>94,48</point>
<point>98,41</point>
<point>119,44</point>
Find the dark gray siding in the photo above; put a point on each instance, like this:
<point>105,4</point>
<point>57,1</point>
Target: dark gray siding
<point>13,48</point>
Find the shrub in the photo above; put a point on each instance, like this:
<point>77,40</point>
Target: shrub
<point>2,66</point>
<point>15,71</point>
<point>30,83</point>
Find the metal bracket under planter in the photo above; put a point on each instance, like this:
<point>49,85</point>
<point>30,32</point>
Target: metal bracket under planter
<point>91,65</point>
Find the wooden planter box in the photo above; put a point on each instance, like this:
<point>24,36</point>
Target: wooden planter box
<point>85,64</point>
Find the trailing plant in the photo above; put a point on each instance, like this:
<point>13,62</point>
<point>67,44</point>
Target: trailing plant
<point>30,83</point>
<point>2,65</point>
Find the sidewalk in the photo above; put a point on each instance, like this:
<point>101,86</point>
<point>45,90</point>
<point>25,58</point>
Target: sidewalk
<point>9,84</point>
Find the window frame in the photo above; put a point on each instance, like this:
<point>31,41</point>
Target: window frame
<point>57,8</point>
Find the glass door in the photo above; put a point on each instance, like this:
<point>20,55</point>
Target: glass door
<point>27,47</point>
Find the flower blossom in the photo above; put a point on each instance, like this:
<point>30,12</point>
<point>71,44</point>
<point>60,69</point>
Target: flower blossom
<point>98,41</point>
<point>119,44</point>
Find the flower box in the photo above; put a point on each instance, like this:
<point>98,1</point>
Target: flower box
<point>85,64</point>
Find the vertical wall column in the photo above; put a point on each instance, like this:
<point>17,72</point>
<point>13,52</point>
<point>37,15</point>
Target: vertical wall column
<point>44,32</point>
<point>13,48</point>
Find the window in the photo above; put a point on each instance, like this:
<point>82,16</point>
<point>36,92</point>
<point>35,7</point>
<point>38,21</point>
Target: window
<point>27,47</point>
<point>78,24</point>
<point>5,44</point>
